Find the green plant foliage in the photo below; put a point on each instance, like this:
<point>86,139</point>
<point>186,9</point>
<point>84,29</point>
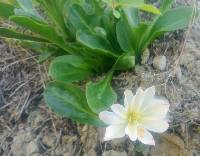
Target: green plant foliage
<point>6,10</point>
<point>42,29</point>
<point>138,37</point>
<point>95,42</point>
<point>85,38</point>
<point>126,61</point>
<point>150,8</point>
<point>13,34</point>
<point>165,5</point>
<point>69,101</point>
<point>132,3</point>
<point>171,20</point>
<point>27,9</point>
<point>125,36</point>
<point>76,68</point>
<point>100,95</point>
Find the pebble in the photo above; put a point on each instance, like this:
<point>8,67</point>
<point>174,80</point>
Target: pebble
<point>24,144</point>
<point>139,70</point>
<point>160,62</point>
<point>32,148</point>
<point>179,73</point>
<point>114,153</point>
<point>145,56</point>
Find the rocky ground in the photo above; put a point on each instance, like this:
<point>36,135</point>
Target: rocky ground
<point>29,128</point>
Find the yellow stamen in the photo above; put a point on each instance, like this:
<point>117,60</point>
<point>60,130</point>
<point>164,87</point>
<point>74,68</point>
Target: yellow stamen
<point>134,116</point>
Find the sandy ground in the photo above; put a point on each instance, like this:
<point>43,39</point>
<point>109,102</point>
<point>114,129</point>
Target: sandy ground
<point>29,128</point>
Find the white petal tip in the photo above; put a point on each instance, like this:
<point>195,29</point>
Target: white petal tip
<point>140,89</point>
<point>106,139</point>
<point>152,87</point>
<point>152,143</point>
<point>132,139</point>
<point>127,91</point>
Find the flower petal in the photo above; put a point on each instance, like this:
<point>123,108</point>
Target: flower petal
<point>110,118</point>
<point>131,131</point>
<point>114,131</point>
<point>149,93</point>
<point>128,97</point>
<point>118,110</point>
<point>157,109</point>
<point>145,137</point>
<point>139,97</point>
<point>158,126</point>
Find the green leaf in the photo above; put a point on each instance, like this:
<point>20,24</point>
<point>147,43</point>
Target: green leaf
<point>150,8</point>
<point>79,19</point>
<point>69,68</point>
<point>117,14</point>
<point>135,4</point>
<point>27,9</point>
<point>43,30</point>
<point>56,12</point>
<point>100,96</point>
<point>165,5</point>
<point>125,62</point>
<point>132,16</point>
<point>8,33</point>
<point>45,50</point>
<point>95,42</point>
<point>69,101</point>
<point>173,19</point>
<point>129,3</point>
<point>6,10</point>
<point>125,36</point>
<point>108,22</point>
<point>45,55</point>
<point>130,38</point>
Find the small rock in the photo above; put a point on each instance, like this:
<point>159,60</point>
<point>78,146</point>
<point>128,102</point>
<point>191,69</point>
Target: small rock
<point>32,148</point>
<point>179,73</point>
<point>59,150</point>
<point>21,142</point>
<point>70,147</point>
<point>187,58</point>
<point>18,148</point>
<point>35,118</point>
<point>160,62</point>
<point>169,145</point>
<point>119,144</point>
<point>174,139</point>
<point>89,137</point>
<point>49,140</point>
<point>91,153</point>
<point>139,70</point>
<point>145,56</point>
<point>114,153</point>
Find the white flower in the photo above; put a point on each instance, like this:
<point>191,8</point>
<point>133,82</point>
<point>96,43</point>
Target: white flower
<point>140,114</point>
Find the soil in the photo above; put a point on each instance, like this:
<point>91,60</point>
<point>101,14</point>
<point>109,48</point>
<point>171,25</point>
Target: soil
<point>29,128</point>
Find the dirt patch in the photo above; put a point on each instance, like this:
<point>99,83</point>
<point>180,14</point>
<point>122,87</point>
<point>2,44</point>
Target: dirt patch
<point>29,128</point>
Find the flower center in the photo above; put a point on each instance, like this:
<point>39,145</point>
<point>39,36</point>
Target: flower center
<point>134,116</point>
